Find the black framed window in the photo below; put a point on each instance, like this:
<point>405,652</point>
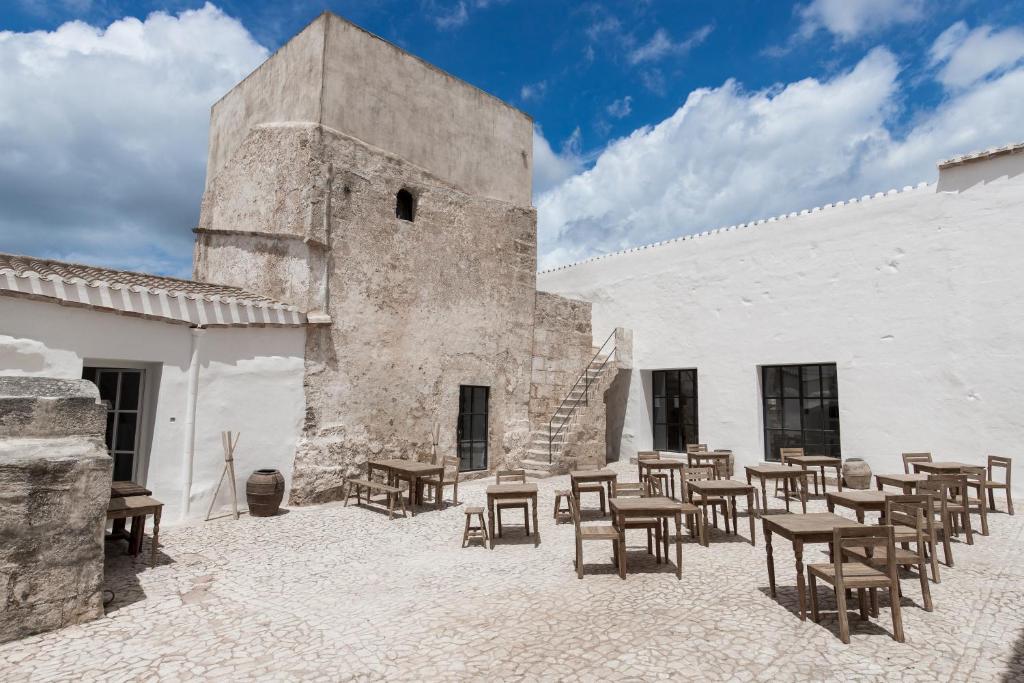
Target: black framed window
<point>121,391</point>
<point>675,409</point>
<point>801,409</point>
<point>472,428</point>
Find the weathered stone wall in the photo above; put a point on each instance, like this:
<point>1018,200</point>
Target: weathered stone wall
<point>54,488</point>
<point>418,308</point>
<point>563,345</point>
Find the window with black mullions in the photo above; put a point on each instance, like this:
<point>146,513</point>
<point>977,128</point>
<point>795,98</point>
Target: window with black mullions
<point>472,427</point>
<point>675,409</point>
<point>801,409</point>
<point>121,391</point>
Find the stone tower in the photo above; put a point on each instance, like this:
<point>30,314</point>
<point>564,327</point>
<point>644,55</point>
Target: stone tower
<point>356,181</point>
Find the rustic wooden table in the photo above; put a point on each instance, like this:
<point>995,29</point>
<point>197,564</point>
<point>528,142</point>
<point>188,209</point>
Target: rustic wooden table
<point>137,507</point>
<point>905,482</point>
<point>654,506</point>
<point>728,489</point>
<point>505,491</point>
<point>672,465</point>
<point>788,474</point>
<point>123,489</point>
<point>816,527</point>
<point>858,501</point>
<point>607,477</point>
<point>948,467</point>
<point>407,470</point>
<point>819,461</point>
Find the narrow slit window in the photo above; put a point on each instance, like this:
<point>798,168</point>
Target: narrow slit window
<point>405,205</point>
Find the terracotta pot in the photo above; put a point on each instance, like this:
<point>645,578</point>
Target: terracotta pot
<point>856,473</point>
<point>264,491</point>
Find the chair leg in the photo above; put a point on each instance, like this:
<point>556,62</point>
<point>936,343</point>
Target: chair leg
<point>897,617</point>
<point>465,532</point>
<point>947,548</point>
<point>500,528</point>
<point>862,599</point>
<point>926,591</point>
<point>874,602</point>
<point>579,558</point>
<point>934,559</point>
<point>657,544</point>
<point>526,520</point>
<point>991,499</point>
<point>603,502</point>
<point>391,506</point>
<point>984,516</point>
<point>844,622</point>
<point>1009,501</point>
<point>650,543</point>
<point>967,524</point>
<point>813,590</point>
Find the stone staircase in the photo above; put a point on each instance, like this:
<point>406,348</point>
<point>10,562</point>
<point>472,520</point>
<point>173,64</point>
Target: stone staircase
<point>549,441</point>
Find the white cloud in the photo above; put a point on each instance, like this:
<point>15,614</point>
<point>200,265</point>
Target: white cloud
<point>532,92</point>
<point>848,19</point>
<point>451,18</point>
<point>729,156</point>
<point>968,56</point>
<point>621,107</point>
<point>103,134</point>
<point>550,168</point>
<point>661,45</point>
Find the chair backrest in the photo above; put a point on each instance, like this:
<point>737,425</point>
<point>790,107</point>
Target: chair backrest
<point>628,489</point>
<point>574,510</point>
<point>654,487</point>
<point>999,461</point>
<point>451,468</point>
<point>648,455</point>
<point>695,474</point>
<point>786,452</point>
<point>696,448</point>
<point>909,458</point>
<point>863,537</point>
<point>945,488</point>
<point>426,458</point>
<point>510,477</point>
<point>916,511</point>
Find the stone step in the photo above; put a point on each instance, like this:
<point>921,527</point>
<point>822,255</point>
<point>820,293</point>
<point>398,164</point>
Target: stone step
<point>538,467</point>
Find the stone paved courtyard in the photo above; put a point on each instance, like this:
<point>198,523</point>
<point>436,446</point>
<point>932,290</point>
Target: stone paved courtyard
<point>333,593</point>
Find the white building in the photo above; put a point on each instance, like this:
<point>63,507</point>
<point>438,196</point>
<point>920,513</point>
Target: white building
<point>866,328</point>
<point>178,361</point>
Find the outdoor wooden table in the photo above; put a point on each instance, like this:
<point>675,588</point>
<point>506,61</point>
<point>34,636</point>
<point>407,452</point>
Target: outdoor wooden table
<point>653,506</point>
<point>137,507</point>
<point>858,501</point>
<point>940,467</point>
<point>787,473</point>
<point>504,491</point>
<point>906,482</point>
<point>718,460</point>
<point>726,488</point>
<point>409,470</point>
<point>122,489</point>
<point>608,477</point>
<point>816,527</point>
<point>820,461</point>
<point>670,464</point>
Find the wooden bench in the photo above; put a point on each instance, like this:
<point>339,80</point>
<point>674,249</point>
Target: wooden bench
<point>393,493</point>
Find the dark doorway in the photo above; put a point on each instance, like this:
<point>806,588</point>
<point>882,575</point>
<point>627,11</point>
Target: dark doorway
<point>675,409</point>
<point>472,428</point>
<point>801,409</point>
<point>121,389</point>
<point>405,205</point>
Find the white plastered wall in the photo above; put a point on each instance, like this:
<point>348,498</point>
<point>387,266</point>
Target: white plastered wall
<point>916,296</point>
<point>250,381</point>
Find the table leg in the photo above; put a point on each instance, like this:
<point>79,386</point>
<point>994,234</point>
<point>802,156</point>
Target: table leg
<point>704,525</point>
<point>839,477</point>
<point>801,589</point>
<point>490,518</point>
<point>536,524</point>
<point>771,559</point>
<point>785,491</point>
<point>621,524</point>
<point>138,530</point>
<point>156,535</point>
<point>672,483</point>
<point>664,537</point>
<point>803,495</point>
<point>860,515</point>
<point>679,546</point>
<point>764,497</point>
<point>750,515</point>
<point>735,529</point>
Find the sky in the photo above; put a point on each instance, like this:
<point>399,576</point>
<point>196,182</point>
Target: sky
<point>653,118</point>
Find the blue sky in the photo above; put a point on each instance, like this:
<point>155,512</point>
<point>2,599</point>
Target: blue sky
<point>681,116</point>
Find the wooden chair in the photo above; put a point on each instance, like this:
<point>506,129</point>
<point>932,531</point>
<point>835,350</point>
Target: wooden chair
<point>654,531</point>
<point>592,487</point>
<point>512,477</point>
<point>628,489</point>
<point>943,489</point>
<point>843,575</point>
<point>597,532</point>
<point>784,454</point>
<point>696,448</point>
<point>703,474</point>
<point>474,530</point>
<point>995,461</point>
<point>449,477</point>
<point>910,458</point>
<point>562,496</point>
<point>976,478</point>
<point>911,518</point>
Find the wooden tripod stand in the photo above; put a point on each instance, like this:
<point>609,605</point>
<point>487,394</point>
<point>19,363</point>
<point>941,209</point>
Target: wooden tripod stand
<point>229,441</point>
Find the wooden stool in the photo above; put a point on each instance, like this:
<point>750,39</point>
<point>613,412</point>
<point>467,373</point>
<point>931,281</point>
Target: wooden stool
<point>472,530</point>
<point>562,496</point>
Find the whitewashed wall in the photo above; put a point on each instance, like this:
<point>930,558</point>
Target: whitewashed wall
<point>250,381</point>
<point>917,296</point>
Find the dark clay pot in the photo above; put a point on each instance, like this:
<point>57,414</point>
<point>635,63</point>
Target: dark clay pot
<point>264,491</point>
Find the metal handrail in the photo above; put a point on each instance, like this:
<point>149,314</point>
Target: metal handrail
<point>585,378</point>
